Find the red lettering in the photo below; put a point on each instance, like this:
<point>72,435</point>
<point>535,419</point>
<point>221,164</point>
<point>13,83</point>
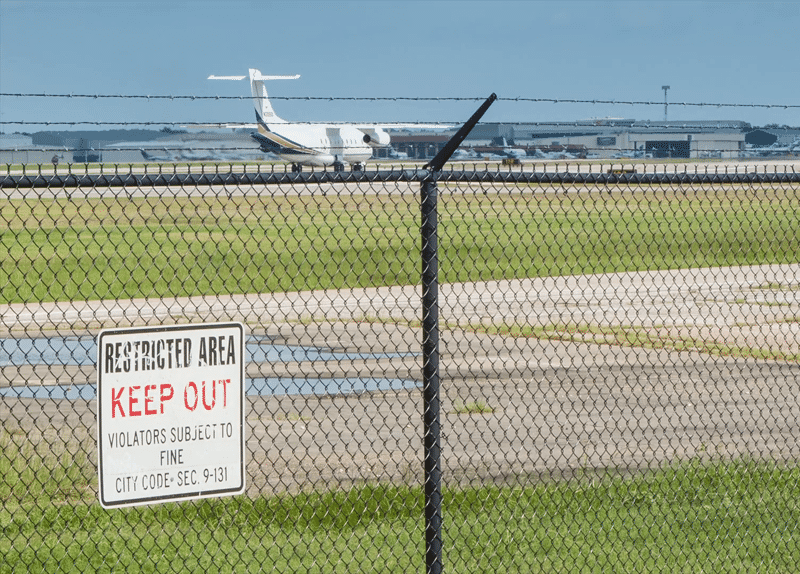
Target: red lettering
<point>132,401</point>
<point>148,400</point>
<point>165,397</point>
<point>116,403</point>
<point>192,386</point>
<point>213,395</point>
<point>225,383</point>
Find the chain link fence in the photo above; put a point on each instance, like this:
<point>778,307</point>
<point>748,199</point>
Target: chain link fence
<point>617,365</point>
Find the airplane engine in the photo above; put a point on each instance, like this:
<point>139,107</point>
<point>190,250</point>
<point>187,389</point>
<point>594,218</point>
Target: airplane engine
<point>376,137</point>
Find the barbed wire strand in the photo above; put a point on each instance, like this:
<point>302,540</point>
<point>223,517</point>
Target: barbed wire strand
<point>684,125</point>
<point>401,98</point>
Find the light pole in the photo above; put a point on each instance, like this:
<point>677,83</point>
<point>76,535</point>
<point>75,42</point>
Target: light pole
<point>665,88</point>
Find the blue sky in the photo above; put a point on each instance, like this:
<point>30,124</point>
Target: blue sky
<point>710,52</point>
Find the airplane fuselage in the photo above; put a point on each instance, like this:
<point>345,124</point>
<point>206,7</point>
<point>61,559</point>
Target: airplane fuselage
<point>314,145</point>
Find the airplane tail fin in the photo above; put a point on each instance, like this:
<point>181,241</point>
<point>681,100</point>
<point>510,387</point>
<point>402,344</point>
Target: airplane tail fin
<point>261,101</point>
<point>264,111</point>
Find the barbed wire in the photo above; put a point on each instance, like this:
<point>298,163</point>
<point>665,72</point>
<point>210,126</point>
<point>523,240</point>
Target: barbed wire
<point>219,125</point>
<point>604,123</point>
<point>401,98</point>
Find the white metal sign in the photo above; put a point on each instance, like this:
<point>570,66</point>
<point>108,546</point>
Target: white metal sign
<point>170,413</point>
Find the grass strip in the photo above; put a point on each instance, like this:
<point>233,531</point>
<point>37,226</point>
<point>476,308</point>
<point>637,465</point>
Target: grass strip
<point>710,517</point>
<point>120,247</point>
<point>629,336</point>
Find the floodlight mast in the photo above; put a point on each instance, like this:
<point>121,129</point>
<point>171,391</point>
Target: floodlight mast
<point>665,88</point>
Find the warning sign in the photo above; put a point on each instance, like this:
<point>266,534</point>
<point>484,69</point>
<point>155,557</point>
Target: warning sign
<point>170,413</point>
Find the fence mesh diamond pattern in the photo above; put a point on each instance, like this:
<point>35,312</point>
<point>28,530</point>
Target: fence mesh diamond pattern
<point>618,367</point>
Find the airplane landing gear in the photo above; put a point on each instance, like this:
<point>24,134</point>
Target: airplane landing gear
<point>297,168</point>
<point>358,167</point>
<point>338,166</point>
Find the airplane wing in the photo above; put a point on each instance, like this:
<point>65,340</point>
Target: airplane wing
<point>359,126</point>
<point>388,125</point>
<point>331,125</point>
<point>199,126</point>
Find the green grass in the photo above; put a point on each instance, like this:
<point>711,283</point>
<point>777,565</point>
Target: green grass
<point>709,517</point>
<point>642,230</point>
<point>631,336</point>
<point>98,249</point>
<point>123,247</point>
<point>472,408</point>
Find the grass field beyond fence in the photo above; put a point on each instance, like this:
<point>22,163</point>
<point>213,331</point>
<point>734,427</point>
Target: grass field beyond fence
<point>116,248</point>
<point>709,517</point>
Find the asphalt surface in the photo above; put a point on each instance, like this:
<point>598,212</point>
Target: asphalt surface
<point>627,371</point>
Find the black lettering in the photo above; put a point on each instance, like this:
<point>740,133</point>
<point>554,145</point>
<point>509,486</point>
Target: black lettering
<point>146,364</point>
<point>109,364</point>
<point>178,352</point>
<point>221,349</point>
<point>136,345</point>
<point>212,352</point>
<point>231,359</point>
<point>187,352</point>
<point>126,364</point>
<point>202,356</point>
<point>153,356</point>
<point>117,354</point>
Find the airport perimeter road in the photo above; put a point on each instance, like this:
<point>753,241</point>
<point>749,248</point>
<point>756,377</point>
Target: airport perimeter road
<point>625,371</point>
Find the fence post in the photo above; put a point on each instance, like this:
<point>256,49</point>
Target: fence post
<point>430,376</point>
<point>431,434</point>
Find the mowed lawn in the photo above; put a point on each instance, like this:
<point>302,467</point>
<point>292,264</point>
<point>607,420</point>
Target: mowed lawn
<point>692,517</point>
<point>120,247</point>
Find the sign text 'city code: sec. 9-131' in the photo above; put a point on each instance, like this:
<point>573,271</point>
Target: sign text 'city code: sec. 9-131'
<point>170,413</point>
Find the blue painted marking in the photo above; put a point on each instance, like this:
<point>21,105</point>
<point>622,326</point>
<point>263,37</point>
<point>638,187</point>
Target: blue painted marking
<point>82,351</point>
<point>71,392</point>
<point>48,351</point>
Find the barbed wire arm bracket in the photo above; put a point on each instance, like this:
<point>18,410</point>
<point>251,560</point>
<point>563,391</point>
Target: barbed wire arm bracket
<point>437,163</point>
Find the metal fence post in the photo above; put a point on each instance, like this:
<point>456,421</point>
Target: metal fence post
<point>430,343</point>
<point>430,377</point>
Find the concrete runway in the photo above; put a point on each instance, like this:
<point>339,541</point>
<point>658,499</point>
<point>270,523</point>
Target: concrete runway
<point>627,371</point>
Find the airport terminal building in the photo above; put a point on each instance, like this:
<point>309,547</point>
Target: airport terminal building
<point>602,138</point>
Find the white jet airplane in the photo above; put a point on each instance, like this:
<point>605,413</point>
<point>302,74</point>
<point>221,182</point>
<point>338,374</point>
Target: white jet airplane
<point>317,144</point>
